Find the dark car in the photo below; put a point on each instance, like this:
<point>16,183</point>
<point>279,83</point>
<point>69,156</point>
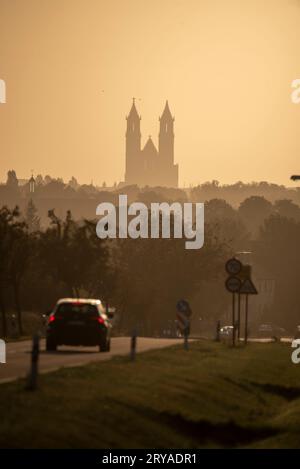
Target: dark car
<point>170,329</point>
<point>297,333</point>
<point>78,322</point>
<point>270,330</point>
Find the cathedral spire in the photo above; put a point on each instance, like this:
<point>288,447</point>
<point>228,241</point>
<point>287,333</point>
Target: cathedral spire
<point>166,136</point>
<point>166,115</point>
<point>133,114</point>
<point>133,144</point>
<point>148,166</point>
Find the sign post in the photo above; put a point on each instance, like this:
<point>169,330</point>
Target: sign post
<point>239,281</point>
<point>246,320</point>
<point>233,284</point>
<point>247,288</point>
<point>133,344</point>
<point>183,314</point>
<point>233,266</point>
<point>33,373</point>
<point>244,273</point>
<point>239,316</point>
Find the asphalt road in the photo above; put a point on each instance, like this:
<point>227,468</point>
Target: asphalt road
<point>18,355</point>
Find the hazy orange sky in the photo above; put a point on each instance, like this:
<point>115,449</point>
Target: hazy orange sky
<point>71,68</point>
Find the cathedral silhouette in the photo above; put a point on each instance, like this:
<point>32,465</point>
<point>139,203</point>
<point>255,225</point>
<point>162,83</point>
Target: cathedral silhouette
<point>149,166</point>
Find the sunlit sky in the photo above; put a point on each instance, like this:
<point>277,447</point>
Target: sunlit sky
<point>71,68</point>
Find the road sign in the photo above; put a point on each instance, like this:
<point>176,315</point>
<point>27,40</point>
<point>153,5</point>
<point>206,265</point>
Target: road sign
<point>245,272</point>
<point>183,320</point>
<point>248,287</point>
<point>183,316</point>
<point>233,266</point>
<point>184,307</point>
<point>233,284</point>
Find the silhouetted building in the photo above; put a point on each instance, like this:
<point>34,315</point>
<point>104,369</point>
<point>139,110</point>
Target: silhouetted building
<point>149,166</point>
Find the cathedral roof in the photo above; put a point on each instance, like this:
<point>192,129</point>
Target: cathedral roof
<point>133,114</point>
<point>167,113</point>
<point>149,148</point>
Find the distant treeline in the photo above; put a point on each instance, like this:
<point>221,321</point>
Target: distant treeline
<point>82,199</point>
<point>144,278</point>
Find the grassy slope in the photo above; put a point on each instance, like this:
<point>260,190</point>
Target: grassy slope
<point>210,396</point>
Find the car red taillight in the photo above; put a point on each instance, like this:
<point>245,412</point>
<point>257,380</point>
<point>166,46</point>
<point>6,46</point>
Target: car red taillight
<point>51,319</point>
<point>99,319</point>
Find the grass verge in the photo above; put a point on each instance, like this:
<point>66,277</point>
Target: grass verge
<point>210,396</point>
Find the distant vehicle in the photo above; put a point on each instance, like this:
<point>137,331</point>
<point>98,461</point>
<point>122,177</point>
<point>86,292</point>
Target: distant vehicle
<point>270,330</point>
<point>170,329</point>
<point>226,333</point>
<point>297,333</point>
<point>79,322</point>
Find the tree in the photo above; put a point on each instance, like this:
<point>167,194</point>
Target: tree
<point>12,180</point>
<point>20,253</point>
<point>39,181</point>
<point>219,209</point>
<point>153,274</point>
<point>277,252</point>
<point>72,254</point>
<point>254,211</point>
<point>15,254</point>
<point>31,218</point>
<point>287,208</point>
<point>6,217</point>
<point>47,179</point>
<point>73,183</point>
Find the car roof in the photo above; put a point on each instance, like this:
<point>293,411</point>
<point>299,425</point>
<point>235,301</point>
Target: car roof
<point>90,301</point>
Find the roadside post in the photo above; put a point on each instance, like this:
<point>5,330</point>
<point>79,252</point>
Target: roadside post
<point>14,327</point>
<point>239,316</point>
<point>218,331</point>
<point>133,345</point>
<point>33,373</point>
<point>247,288</point>
<point>183,314</point>
<point>233,284</point>
<point>186,338</point>
<point>243,275</point>
<point>239,281</point>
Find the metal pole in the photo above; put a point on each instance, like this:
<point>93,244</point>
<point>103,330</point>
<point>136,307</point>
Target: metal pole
<point>233,319</point>
<point>239,316</point>
<point>246,321</point>
<point>133,345</point>
<point>33,374</point>
<point>218,331</point>
<point>186,336</point>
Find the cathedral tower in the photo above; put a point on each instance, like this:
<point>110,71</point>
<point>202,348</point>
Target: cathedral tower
<point>133,146</point>
<point>166,137</point>
<point>169,172</point>
<point>147,166</point>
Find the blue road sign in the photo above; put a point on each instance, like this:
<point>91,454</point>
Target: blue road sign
<point>183,307</point>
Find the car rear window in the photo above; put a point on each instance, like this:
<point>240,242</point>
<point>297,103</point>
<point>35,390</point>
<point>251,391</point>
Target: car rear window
<point>68,310</point>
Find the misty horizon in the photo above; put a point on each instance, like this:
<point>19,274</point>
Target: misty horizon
<point>71,71</point>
